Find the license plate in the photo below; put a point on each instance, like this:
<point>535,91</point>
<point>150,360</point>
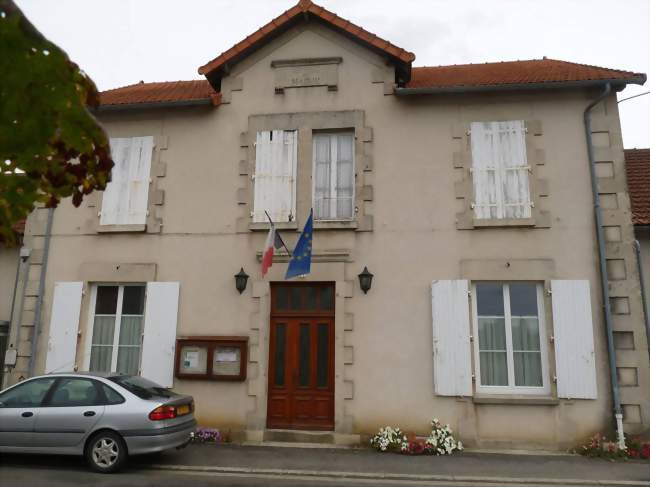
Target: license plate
<point>184,409</point>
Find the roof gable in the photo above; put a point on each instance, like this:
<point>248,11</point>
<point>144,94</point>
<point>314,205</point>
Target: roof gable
<point>303,11</point>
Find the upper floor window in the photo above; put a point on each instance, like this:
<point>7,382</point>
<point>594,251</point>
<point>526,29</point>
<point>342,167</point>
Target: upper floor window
<point>333,178</point>
<point>509,326</point>
<point>276,158</point>
<point>500,170</point>
<point>118,325</point>
<point>126,196</point>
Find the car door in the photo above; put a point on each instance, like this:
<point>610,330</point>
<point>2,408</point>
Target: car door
<point>19,408</point>
<point>69,412</point>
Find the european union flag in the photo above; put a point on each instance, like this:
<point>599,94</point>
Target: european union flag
<point>300,263</point>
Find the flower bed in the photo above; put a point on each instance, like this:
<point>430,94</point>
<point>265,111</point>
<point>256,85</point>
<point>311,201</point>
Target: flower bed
<point>439,442</point>
<point>206,435</point>
<point>600,446</point>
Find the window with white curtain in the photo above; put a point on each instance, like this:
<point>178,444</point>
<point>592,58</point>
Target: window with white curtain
<point>500,170</point>
<point>117,327</point>
<point>333,178</point>
<point>510,349</point>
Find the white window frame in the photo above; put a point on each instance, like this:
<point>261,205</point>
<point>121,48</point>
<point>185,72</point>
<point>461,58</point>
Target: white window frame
<point>500,171</point>
<point>333,174</point>
<point>118,321</point>
<point>545,389</point>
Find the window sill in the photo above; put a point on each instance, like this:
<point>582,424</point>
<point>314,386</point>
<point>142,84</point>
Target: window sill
<point>335,225</point>
<point>503,222</point>
<point>264,226</point>
<point>121,228</point>
<point>516,400</point>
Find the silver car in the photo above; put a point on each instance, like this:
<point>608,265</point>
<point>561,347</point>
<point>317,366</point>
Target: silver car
<point>104,417</point>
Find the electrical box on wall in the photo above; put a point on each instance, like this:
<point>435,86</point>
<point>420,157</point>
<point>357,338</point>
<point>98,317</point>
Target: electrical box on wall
<point>10,357</point>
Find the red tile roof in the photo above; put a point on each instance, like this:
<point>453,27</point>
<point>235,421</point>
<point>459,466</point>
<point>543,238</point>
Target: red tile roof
<point>260,36</point>
<point>513,72</point>
<point>637,162</point>
<point>169,91</point>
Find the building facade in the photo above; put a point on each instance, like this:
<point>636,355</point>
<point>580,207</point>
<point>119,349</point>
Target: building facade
<point>464,190</point>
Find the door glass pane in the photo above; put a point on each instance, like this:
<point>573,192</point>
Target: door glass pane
<point>296,292</point>
<point>75,392</point>
<point>525,335</point>
<point>106,300</point>
<point>304,345</point>
<point>322,349</point>
<point>327,297</point>
<point>310,297</point>
<point>280,353</point>
<point>491,334</point>
<point>128,353</point>
<point>29,394</point>
<point>102,344</point>
<point>133,300</point>
<point>281,298</point>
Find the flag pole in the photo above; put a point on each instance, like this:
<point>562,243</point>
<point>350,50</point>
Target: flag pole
<point>283,244</point>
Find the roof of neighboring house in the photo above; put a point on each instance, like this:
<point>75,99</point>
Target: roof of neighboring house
<point>280,23</point>
<point>514,73</point>
<point>637,163</point>
<point>198,91</point>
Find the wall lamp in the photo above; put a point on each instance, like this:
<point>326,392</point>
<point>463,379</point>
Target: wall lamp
<point>241,279</point>
<point>365,280</point>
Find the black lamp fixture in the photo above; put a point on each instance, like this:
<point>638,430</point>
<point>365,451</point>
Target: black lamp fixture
<point>241,278</point>
<point>365,280</point>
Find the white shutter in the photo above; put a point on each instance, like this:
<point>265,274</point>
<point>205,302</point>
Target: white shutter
<point>139,174</point>
<point>452,362</point>
<point>159,341</point>
<point>125,198</point>
<point>574,339</point>
<point>484,170</point>
<point>514,169</point>
<point>64,325</point>
<point>275,175</point>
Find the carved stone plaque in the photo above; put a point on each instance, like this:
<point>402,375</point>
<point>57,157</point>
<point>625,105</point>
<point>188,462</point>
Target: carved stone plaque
<point>300,73</point>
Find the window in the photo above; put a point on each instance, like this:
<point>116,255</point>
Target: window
<point>509,339</point>
<point>143,388</point>
<point>75,392</point>
<point>334,176</point>
<point>26,395</point>
<point>118,320</point>
<point>112,397</point>
<point>125,198</point>
<point>276,159</point>
<point>500,170</point>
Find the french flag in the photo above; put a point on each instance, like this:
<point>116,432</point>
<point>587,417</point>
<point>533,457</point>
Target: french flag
<point>273,241</point>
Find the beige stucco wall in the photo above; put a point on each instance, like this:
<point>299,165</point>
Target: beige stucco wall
<point>383,339</point>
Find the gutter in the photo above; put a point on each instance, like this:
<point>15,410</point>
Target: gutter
<point>41,290</point>
<point>646,318</point>
<point>604,277</point>
<point>149,105</point>
<point>615,83</point>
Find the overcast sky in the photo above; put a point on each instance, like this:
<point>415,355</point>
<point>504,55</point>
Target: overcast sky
<point>119,42</point>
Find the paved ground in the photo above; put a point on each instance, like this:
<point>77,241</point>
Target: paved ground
<point>232,465</point>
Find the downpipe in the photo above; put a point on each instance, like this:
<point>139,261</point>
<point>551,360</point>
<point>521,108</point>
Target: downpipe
<point>604,277</point>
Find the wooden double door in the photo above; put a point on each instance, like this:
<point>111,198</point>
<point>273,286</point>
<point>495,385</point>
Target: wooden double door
<point>301,357</point>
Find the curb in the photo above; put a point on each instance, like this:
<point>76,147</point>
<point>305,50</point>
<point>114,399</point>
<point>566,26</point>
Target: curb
<point>363,476</point>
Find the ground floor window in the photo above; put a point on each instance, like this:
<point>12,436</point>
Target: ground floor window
<point>117,325</point>
<point>510,350</point>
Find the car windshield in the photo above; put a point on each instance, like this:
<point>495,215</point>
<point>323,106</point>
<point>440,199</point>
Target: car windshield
<point>141,387</point>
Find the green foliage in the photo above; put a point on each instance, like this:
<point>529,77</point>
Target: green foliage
<point>51,146</point>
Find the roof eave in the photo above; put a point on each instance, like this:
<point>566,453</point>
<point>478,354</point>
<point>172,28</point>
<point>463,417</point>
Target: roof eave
<point>617,83</point>
<point>149,105</point>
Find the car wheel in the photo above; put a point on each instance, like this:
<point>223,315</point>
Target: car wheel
<point>106,452</point>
